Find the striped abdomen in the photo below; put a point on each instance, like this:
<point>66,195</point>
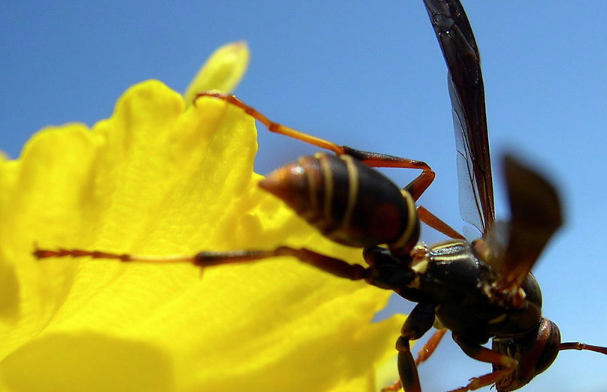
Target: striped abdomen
<point>347,201</point>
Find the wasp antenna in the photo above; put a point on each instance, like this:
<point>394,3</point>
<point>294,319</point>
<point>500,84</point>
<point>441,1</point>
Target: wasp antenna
<point>583,346</point>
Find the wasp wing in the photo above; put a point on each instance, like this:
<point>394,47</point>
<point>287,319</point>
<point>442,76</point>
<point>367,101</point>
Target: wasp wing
<point>467,94</point>
<point>536,216</point>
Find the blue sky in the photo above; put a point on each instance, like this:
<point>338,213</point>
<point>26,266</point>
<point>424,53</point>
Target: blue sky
<point>369,75</point>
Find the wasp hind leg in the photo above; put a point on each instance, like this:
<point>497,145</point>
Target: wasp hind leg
<point>328,264</point>
<point>415,188</point>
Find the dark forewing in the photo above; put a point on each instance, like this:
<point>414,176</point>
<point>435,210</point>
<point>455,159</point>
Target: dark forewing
<point>536,216</point>
<point>536,210</point>
<point>467,94</point>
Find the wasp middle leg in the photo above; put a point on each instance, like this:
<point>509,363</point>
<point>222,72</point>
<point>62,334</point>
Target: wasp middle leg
<point>437,224</point>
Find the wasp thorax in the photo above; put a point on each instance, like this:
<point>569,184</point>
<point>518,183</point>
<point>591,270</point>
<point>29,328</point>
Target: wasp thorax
<point>346,200</point>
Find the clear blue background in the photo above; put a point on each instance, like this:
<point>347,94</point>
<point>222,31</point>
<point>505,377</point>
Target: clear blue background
<point>370,75</point>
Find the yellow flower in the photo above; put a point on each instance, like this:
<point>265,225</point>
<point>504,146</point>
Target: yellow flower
<point>157,178</point>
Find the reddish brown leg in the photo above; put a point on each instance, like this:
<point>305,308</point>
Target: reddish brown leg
<point>393,387</point>
<point>437,224</point>
<point>475,351</point>
<point>430,346</point>
<point>207,259</point>
<point>415,188</point>
<point>420,184</point>
<point>274,126</point>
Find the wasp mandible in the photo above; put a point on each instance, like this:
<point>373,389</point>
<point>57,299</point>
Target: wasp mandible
<point>481,290</point>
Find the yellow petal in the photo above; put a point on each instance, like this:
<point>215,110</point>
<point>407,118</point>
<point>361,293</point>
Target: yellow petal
<point>222,71</point>
<point>155,179</point>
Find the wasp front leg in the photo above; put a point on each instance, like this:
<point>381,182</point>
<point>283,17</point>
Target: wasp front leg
<point>428,349</point>
<point>422,355</point>
<point>506,364</point>
<point>418,323</point>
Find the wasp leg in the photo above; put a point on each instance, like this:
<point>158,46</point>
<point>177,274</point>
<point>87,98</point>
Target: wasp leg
<point>430,346</point>
<point>271,125</point>
<point>328,264</point>
<point>393,387</point>
<point>416,187</point>
<point>384,271</point>
<point>437,224</point>
<point>418,323</point>
<point>208,259</point>
<point>422,356</point>
<point>475,351</point>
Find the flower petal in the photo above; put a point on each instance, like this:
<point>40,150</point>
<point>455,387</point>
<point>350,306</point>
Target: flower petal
<point>222,71</point>
<point>156,179</point>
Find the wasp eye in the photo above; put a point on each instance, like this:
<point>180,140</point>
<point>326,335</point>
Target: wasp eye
<point>534,352</point>
<point>547,345</point>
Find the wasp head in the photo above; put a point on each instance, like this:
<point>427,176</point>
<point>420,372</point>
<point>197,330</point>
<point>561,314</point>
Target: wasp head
<point>534,351</point>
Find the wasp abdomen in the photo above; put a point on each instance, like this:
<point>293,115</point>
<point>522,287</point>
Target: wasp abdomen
<point>347,201</point>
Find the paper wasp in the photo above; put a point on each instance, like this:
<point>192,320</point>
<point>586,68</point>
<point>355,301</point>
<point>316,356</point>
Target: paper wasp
<point>480,290</point>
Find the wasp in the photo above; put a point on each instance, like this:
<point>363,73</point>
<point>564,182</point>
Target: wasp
<point>481,290</point>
